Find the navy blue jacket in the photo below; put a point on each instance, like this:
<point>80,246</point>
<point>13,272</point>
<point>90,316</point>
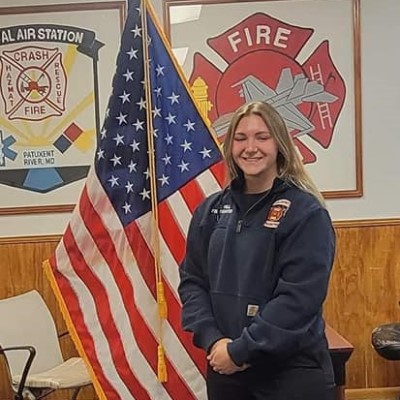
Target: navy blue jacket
<point>259,278</point>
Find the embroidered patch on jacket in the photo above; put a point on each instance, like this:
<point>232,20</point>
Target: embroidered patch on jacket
<point>252,310</point>
<point>225,209</point>
<point>276,213</point>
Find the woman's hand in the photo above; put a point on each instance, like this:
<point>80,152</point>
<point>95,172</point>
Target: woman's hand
<point>220,360</point>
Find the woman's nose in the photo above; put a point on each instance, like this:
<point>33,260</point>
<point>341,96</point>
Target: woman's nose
<point>251,146</point>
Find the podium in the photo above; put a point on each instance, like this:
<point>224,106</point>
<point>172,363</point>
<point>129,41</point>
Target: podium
<point>340,350</point>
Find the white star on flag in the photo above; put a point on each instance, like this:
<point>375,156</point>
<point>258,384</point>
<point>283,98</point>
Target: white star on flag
<point>205,153</point>
<point>132,167</point>
<point>121,118</point>
<point>114,181</point>
<point>183,166</point>
<point>137,31</point>
<point>164,180</point>
<point>128,75</point>
<point>138,125</point>
<point>189,126</point>
<point>160,70</point>
<point>119,139</point>
<point>171,119</point>
<point>141,103</point>
<point>135,145</point>
<point>116,160</point>
<point>174,98</point>
<point>132,53</point>
<point>187,146</point>
<point>127,208</point>
<point>124,97</point>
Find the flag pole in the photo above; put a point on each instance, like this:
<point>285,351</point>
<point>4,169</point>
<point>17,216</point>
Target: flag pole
<point>161,301</point>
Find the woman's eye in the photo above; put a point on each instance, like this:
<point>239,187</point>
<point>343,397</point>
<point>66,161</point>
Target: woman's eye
<point>239,138</point>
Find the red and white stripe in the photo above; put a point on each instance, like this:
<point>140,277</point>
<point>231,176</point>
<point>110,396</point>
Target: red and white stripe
<point>106,277</point>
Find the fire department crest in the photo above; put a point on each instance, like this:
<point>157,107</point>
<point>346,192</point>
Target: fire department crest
<point>33,83</point>
<point>262,63</point>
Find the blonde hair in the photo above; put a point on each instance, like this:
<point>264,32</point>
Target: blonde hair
<point>289,165</point>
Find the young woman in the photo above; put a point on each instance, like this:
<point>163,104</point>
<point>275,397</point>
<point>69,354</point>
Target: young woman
<point>256,271</point>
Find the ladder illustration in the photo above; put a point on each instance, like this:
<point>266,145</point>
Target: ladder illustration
<point>323,108</point>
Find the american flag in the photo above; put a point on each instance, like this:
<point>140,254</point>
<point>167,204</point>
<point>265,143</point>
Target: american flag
<point>104,271</point>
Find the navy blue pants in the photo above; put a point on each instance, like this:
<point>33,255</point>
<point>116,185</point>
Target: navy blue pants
<point>297,382</point>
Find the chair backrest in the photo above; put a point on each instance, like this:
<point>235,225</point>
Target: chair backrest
<point>25,320</point>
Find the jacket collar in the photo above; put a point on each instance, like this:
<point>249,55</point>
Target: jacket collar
<point>237,185</point>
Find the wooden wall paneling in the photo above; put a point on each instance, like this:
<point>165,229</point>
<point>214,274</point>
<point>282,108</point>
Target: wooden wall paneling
<point>383,270</point>
<point>364,293</point>
<point>382,266</point>
<point>20,271</point>
<point>345,294</point>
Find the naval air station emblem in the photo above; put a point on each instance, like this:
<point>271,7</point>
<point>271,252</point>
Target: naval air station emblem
<point>48,119</point>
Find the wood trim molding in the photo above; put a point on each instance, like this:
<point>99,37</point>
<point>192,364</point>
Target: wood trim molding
<point>64,208</point>
<point>386,393</point>
<point>100,5</point>
<point>362,223</point>
<point>30,239</point>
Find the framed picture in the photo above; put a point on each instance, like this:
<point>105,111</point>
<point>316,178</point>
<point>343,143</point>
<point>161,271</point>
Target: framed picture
<point>56,68</point>
<point>302,56</point>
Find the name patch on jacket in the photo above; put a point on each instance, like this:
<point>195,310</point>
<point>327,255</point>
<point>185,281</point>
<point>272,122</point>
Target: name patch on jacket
<point>276,213</point>
<point>225,209</point>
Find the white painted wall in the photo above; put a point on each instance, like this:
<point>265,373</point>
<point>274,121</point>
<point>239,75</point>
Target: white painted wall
<point>380,58</point>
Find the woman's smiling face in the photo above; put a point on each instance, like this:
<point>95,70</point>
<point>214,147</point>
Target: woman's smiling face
<point>255,152</point>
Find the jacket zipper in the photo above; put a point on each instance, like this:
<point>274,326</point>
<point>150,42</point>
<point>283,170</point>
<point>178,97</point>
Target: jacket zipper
<point>239,224</point>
